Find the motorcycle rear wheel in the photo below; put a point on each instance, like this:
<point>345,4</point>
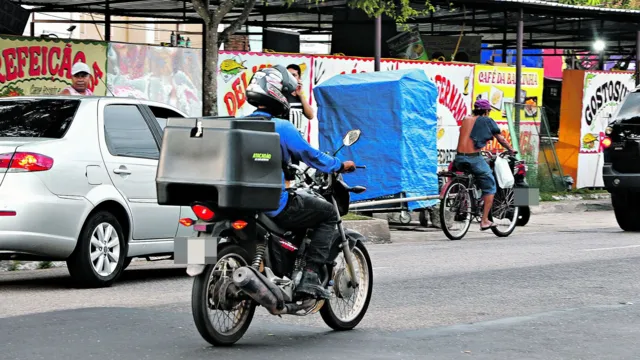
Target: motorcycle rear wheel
<point>331,307</point>
<point>201,301</point>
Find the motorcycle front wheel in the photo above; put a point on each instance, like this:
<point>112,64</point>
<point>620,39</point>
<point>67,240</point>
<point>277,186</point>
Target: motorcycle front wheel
<point>221,321</point>
<point>347,306</point>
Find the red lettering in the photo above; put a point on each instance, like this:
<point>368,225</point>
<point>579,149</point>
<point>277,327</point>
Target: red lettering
<point>9,55</point>
<point>244,79</point>
<point>45,50</point>
<point>66,62</point>
<point>2,78</point>
<point>53,69</point>
<point>97,74</point>
<point>239,92</point>
<point>23,53</point>
<point>230,102</point>
<point>34,69</point>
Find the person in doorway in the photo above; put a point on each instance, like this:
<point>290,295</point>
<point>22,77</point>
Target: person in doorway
<point>298,210</point>
<point>296,99</point>
<point>475,132</point>
<point>79,81</point>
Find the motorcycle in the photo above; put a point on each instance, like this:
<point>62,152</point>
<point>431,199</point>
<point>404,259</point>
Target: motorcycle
<point>519,174</point>
<point>260,264</point>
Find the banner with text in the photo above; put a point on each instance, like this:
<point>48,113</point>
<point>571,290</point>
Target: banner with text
<point>498,85</point>
<point>455,89</point>
<point>30,66</point>
<point>603,92</point>
<point>235,70</point>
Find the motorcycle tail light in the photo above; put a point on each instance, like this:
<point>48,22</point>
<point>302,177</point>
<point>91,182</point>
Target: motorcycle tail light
<point>203,212</point>
<point>186,222</point>
<point>239,224</point>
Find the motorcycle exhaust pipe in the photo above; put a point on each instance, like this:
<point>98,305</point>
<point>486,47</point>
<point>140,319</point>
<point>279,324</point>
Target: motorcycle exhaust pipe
<point>260,289</point>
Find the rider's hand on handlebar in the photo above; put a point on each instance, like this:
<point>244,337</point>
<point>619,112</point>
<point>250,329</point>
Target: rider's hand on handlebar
<point>348,166</point>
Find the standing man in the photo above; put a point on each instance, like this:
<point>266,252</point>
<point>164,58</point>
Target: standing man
<point>297,100</point>
<point>475,131</point>
<point>79,81</point>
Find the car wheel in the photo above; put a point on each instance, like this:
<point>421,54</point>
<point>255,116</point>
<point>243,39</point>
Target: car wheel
<point>127,262</point>
<point>100,255</point>
<point>627,210</point>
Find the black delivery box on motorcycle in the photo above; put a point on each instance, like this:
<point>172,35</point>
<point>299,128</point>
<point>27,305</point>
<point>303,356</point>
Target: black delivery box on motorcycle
<point>232,162</point>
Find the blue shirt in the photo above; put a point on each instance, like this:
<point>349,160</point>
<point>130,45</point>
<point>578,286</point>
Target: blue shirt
<point>483,130</point>
<point>292,144</point>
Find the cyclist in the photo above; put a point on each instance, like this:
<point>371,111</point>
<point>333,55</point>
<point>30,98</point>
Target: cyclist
<point>476,130</point>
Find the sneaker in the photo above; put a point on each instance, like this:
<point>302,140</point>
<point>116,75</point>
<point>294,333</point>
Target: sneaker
<point>310,285</point>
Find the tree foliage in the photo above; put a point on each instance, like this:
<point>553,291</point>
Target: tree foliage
<point>618,4</point>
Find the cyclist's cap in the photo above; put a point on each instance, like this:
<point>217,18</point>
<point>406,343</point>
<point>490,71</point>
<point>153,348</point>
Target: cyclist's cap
<point>482,104</point>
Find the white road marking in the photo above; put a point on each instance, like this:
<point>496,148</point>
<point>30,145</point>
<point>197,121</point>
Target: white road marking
<point>613,248</point>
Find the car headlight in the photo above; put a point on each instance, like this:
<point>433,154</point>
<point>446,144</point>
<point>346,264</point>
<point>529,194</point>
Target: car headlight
<point>608,130</point>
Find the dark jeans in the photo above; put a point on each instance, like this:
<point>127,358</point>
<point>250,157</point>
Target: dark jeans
<point>304,211</point>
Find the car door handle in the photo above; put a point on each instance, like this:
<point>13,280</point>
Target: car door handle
<point>122,171</point>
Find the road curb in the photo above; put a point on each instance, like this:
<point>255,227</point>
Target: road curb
<point>557,207</point>
<point>375,230</point>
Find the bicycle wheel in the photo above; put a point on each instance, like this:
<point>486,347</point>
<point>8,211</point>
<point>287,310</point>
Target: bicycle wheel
<point>455,208</point>
<point>504,213</point>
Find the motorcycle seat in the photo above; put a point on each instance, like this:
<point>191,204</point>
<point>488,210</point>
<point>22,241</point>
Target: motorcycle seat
<point>272,226</point>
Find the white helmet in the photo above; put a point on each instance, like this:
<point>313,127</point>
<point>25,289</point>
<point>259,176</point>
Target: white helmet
<point>267,88</point>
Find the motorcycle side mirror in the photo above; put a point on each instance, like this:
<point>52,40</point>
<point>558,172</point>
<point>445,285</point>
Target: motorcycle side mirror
<point>352,137</point>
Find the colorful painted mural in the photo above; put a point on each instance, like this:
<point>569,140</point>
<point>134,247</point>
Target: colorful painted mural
<point>168,75</point>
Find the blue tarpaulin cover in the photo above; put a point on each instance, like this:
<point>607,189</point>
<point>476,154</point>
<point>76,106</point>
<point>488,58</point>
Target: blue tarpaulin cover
<point>396,112</point>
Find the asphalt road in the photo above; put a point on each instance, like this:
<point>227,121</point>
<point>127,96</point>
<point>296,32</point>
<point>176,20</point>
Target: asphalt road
<point>563,287</point>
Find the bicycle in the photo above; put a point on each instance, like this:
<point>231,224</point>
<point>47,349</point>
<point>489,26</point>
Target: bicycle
<point>461,195</point>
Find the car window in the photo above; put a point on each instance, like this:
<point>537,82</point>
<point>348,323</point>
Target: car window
<point>162,114</point>
<point>127,133</point>
<point>630,108</point>
<point>45,118</point>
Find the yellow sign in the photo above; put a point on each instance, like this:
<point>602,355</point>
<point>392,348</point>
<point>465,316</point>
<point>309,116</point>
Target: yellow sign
<point>498,85</point>
<point>31,66</point>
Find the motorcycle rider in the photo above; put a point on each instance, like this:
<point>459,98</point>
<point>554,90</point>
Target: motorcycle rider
<point>266,91</point>
<point>476,130</point>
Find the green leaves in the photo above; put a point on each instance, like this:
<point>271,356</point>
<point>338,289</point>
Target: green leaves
<point>399,10</point>
<point>618,4</point>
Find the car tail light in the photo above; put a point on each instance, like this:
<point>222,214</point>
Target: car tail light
<point>239,224</point>
<point>186,222</point>
<point>606,142</point>
<point>7,213</point>
<point>25,162</point>
<point>203,212</point>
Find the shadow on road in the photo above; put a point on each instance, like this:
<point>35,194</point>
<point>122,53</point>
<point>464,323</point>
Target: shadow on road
<point>59,278</point>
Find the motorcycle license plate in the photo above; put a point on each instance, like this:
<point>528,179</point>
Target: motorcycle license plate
<point>195,250</point>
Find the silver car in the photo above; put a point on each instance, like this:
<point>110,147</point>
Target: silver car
<point>77,183</point>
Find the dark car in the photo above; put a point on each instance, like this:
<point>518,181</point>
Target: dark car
<point>621,171</point>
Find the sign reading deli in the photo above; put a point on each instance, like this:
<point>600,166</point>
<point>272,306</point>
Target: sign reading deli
<point>43,67</point>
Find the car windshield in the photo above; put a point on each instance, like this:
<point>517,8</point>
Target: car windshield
<point>45,118</point>
<point>630,110</point>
